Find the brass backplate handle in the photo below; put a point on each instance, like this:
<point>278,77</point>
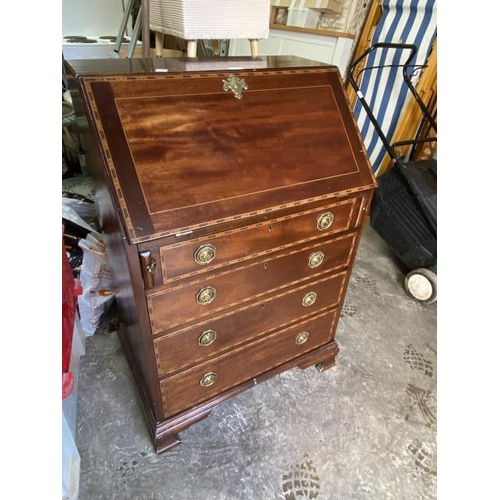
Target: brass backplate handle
<point>237,85</point>
<point>205,254</point>
<point>301,338</point>
<point>316,259</point>
<point>206,295</point>
<point>325,220</point>
<point>207,338</point>
<point>309,299</point>
<point>208,379</point>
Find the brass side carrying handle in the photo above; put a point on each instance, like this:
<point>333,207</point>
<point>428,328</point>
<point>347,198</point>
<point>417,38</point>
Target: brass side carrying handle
<point>207,338</point>
<point>301,338</point>
<point>316,259</point>
<point>208,379</point>
<point>325,220</point>
<point>309,299</point>
<point>149,267</point>
<point>205,254</point>
<point>152,267</point>
<point>206,295</point>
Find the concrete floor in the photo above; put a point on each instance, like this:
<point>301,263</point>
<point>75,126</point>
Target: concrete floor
<point>365,429</point>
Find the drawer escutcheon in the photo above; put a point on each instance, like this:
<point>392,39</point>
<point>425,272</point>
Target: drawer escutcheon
<point>208,379</point>
<point>325,220</point>
<point>301,338</point>
<point>206,295</point>
<point>205,254</point>
<point>207,338</point>
<point>309,299</point>
<point>316,259</point>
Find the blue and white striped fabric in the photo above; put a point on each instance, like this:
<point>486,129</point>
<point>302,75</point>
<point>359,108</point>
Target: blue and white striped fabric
<point>402,21</point>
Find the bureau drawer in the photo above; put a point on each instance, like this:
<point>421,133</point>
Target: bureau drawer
<point>193,345</point>
<point>185,303</point>
<point>232,246</point>
<point>200,383</point>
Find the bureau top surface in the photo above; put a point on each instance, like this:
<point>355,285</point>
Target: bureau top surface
<point>182,151</point>
<point>184,64</point>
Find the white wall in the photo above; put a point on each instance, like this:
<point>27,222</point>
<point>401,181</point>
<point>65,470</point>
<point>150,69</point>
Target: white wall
<point>92,17</point>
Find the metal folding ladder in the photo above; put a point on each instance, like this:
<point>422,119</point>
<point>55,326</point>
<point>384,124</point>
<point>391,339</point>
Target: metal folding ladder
<point>142,14</point>
<point>221,49</point>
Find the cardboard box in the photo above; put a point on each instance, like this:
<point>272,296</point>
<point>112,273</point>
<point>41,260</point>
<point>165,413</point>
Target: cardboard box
<point>303,18</point>
<point>332,22</point>
<point>278,15</point>
<point>321,5</point>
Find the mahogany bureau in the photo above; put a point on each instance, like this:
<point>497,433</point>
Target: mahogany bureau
<point>232,194</point>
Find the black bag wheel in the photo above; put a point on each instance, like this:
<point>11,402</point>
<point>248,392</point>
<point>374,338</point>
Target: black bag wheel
<point>421,284</point>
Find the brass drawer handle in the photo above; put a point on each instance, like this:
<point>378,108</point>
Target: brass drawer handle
<point>206,295</point>
<point>316,259</point>
<point>205,254</point>
<point>207,338</point>
<point>309,299</point>
<point>208,379</point>
<point>325,220</point>
<point>301,338</point>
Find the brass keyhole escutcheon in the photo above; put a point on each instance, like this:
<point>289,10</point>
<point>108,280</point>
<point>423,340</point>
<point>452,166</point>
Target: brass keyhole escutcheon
<point>236,85</point>
<point>207,338</point>
<point>301,338</point>
<point>325,220</point>
<point>316,259</point>
<point>309,299</point>
<point>205,254</point>
<point>206,295</point>
<point>208,379</point>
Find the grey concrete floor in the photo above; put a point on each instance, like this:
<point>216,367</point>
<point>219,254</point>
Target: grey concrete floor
<point>365,429</point>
